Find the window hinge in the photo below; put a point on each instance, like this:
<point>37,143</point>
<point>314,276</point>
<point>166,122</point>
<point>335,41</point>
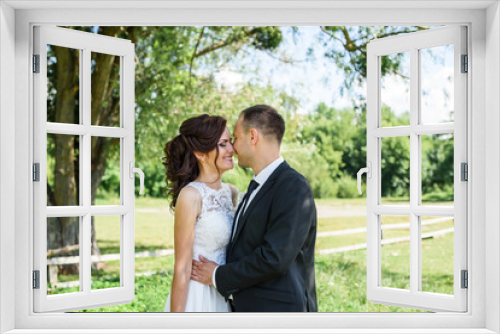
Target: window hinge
<point>465,64</point>
<point>465,171</point>
<point>36,63</point>
<point>36,172</point>
<point>36,279</point>
<point>465,279</point>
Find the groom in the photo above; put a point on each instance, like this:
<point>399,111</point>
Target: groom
<point>270,257</point>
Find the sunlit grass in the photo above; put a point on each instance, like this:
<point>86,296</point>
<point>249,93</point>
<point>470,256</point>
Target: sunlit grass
<point>340,277</point>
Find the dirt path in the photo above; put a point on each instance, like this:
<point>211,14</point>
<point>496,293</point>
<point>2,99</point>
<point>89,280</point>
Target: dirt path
<point>324,211</point>
<point>328,211</point>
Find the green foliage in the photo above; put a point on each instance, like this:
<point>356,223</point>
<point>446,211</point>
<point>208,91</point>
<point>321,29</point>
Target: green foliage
<point>175,80</point>
<point>238,177</point>
<point>151,293</point>
<point>438,193</point>
<point>348,187</point>
<point>339,137</point>
<point>437,166</point>
<point>340,284</point>
<point>347,49</point>
<point>154,183</point>
<point>313,166</point>
<point>267,38</point>
<point>395,166</point>
<point>110,183</point>
<point>336,135</point>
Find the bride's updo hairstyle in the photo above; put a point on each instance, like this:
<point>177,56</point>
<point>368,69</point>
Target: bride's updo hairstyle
<point>201,134</point>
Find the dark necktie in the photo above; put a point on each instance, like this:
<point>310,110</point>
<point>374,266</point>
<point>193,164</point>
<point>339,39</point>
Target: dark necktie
<point>251,187</point>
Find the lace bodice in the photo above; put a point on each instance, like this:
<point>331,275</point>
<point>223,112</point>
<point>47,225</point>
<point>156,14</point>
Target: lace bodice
<point>213,226</point>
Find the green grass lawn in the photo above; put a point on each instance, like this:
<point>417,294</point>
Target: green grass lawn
<point>340,277</point>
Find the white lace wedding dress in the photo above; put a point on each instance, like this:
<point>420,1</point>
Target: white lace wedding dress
<point>211,235</point>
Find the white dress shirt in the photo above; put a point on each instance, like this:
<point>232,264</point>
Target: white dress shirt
<point>260,178</point>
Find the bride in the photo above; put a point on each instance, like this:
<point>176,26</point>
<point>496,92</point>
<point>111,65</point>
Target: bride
<point>204,208</point>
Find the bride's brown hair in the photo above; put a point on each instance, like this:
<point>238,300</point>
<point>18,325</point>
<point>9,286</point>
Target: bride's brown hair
<point>200,134</point>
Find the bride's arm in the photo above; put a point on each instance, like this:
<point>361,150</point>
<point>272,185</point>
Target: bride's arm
<point>187,209</point>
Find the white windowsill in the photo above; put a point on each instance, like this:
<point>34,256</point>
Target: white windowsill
<point>25,319</point>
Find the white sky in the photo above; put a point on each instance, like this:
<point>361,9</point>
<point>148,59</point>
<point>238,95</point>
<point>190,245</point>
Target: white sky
<point>436,83</point>
<point>319,80</point>
<point>312,82</point>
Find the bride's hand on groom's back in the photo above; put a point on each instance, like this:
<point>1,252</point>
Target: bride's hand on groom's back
<point>202,271</point>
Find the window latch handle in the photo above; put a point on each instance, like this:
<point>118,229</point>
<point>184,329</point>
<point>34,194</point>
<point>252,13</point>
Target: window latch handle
<point>368,171</point>
<point>134,170</point>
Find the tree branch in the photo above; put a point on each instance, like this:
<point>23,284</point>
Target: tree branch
<point>349,44</point>
<point>332,36</point>
<point>284,59</point>
<point>225,43</point>
<point>194,55</point>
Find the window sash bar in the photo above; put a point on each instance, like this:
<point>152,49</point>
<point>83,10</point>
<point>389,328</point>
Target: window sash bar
<point>405,210</point>
<point>415,166</point>
<point>428,129</point>
<point>96,131</point>
<point>79,211</point>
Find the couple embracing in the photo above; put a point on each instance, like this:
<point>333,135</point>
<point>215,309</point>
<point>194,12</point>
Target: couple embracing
<point>250,255</point>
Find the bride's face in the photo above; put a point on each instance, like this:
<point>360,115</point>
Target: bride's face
<point>226,151</point>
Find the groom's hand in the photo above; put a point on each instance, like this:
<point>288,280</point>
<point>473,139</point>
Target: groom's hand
<point>203,270</point>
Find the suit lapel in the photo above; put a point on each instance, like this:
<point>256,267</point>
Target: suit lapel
<point>265,188</point>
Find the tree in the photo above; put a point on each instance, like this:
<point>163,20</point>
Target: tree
<point>335,133</point>
<point>168,90</point>
<point>347,49</point>
<point>62,188</point>
<point>437,167</point>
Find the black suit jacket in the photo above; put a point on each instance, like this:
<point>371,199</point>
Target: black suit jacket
<point>270,261</point>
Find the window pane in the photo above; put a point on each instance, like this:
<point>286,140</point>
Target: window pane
<point>105,82</point>
<point>437,169</point>
<point>105,171</point>
<point>437,254</point>
<point>395,90</point>
<point>63,255</point>
<point>63,170</point>
<point>437,84</point>
<point>106,252</point>
<point>395,170</point>
<point>395,251</point>
<point>63,85</point>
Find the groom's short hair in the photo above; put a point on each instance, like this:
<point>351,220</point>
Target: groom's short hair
<point>265,119</point>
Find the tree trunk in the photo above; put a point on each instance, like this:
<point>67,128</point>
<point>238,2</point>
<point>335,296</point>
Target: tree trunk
<point>65,192</point>
<point>64,231</point>
<point>105,111</point>
<point>101,91</point>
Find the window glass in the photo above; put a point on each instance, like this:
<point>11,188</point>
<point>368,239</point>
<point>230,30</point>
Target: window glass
<point>63,85</point>
<point>395,89</point>
<point>63,250</point>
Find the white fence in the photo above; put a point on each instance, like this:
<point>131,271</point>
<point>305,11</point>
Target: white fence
<point>52,263</point>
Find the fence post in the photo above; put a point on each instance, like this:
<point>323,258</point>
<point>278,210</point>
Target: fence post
<point>52,273</point>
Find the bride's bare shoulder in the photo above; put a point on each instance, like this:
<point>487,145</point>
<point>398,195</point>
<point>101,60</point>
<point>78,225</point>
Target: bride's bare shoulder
<point>187,197</point>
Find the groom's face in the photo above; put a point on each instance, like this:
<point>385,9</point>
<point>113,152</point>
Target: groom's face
<point>241,144</point>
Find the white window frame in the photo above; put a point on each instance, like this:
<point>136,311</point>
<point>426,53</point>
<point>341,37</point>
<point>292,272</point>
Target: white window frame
<point>85,43</point>
<point>415,210</point>
<point>483,21</point>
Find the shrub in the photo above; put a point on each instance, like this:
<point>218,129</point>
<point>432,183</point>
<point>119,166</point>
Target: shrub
<point>347,187</point>
<point>313,166</point>
<point>238,177</point>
